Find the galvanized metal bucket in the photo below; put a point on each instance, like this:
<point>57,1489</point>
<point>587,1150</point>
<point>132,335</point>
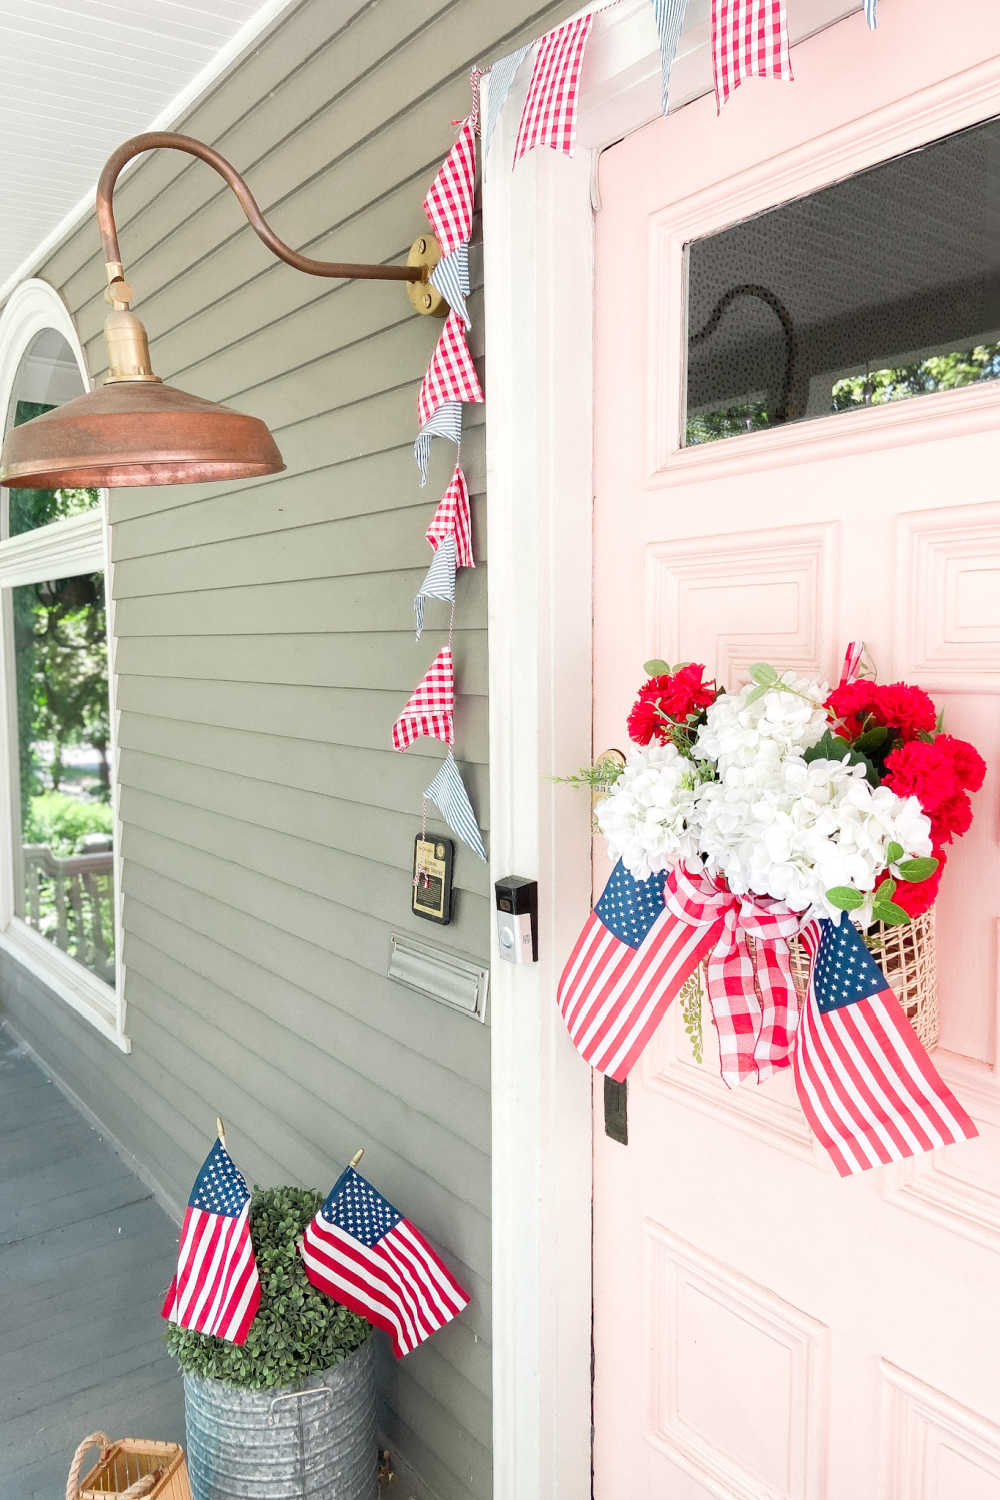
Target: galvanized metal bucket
<point>316,1441</point>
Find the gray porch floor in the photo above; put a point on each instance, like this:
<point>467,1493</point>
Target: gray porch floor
<point>85,1256</point>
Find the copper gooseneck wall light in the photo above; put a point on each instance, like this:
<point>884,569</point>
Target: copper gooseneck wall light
<point>134,430</point>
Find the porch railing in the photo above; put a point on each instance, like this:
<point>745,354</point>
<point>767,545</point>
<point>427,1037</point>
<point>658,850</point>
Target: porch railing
<point>70,901</point>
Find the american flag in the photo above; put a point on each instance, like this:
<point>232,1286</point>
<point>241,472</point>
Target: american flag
<point>430,708</point>
<point>360,1251</point>
<point>452,518</point>
<point>749,40</point>
<point>216,1289</point>
<point>864,1081</point>
<point>629,962</point>
<point>549,114</point>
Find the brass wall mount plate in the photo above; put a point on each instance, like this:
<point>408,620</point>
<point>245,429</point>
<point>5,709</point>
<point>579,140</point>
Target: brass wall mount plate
<point>426,252</point>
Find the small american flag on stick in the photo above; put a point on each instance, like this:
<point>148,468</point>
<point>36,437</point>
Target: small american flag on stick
<point>216,1289</point>
<point>865,1082</point>
<point>360,1251</point>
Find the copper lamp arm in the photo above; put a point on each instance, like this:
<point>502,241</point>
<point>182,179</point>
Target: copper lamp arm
<point>155,138</point>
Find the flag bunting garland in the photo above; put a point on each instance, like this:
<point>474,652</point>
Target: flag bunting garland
<point>364,1254</point>
<point>439,582</point>
<point>669,17</point>
<point>216,1289</point>
<point>749,40</point>
<point>450,198</point>
<point>452,518</point>
<point>502,75</point>
<point>430,709</point>
<point>549,114</point>
<point>450,381</point>
<point>866,1084</point>
<point>451,278</point>
<point>447,792</point>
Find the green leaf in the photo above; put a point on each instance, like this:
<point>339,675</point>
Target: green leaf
<point>828,747</point>
<point>893,853</point>
<point>889,913</point>
<point>886,890</point>
<point>656,667</point>
<point>755,693</point>
<point>872,739</point>
<point>763,674</point>
<point>846,897</point>
<point>917,869</point>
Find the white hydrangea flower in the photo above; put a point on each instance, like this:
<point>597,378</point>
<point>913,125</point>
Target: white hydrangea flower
<point>800,829</point>
<point>756,735</point>
<point>648,816</point>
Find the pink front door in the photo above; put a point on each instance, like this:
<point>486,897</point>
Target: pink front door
<point>764,1330</point>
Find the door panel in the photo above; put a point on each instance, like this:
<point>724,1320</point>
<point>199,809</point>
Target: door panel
<point>764,1330</point>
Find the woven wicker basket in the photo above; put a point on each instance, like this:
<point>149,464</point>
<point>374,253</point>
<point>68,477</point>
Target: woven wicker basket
<point>131,1466</point>
<point>907,957</point>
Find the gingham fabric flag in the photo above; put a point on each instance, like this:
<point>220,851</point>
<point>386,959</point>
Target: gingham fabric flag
<point>450,197</point>
<point>669,16</point>
<point>549,114</point>
<point>451,277</point>
<point>439,582</point>
<point>502,75</point>
<point>446,422</point>
<point>431,707</point>
<point>749,40</point>
<point>871,14</point>
<point>451,374</point>
<point>447,792</point>
<point>865,1082</point>
<point>216,1289</point>
<point>360,1251</point>
<point>452,518</point>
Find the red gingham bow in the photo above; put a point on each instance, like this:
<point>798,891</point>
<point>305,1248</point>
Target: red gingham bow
<point>752,995</point>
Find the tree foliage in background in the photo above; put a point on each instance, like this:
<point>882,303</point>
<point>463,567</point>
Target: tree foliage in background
<point>298,1331</point>
<point>938,372</point>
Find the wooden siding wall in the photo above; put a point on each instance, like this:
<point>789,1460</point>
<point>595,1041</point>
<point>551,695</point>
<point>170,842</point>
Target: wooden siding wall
<point>265,644</point>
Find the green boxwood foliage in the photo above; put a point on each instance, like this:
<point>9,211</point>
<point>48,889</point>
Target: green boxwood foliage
<point>297,1331</point>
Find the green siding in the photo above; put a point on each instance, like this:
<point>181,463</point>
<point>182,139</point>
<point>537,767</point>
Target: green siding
<point>264,647</point>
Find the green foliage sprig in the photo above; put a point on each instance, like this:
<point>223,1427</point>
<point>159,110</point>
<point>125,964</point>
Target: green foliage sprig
<point>298,1331</point>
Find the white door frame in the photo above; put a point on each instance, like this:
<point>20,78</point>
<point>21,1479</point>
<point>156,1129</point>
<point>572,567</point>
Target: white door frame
<point>539,270</point>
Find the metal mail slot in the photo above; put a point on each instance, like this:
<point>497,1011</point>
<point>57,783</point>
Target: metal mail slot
<point>450,978</point>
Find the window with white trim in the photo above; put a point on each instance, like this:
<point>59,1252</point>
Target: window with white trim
<point>58,884</point>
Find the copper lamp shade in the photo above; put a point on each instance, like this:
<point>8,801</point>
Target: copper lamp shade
<point>135,433</point>
<point>134,430</point>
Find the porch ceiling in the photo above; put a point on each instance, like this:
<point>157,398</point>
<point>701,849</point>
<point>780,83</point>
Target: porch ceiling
<point>82,75</point>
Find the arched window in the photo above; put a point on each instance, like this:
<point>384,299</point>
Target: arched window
<point>59,910</point>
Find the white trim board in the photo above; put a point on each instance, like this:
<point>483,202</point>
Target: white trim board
<point>80,544</point>
<point>539,270</point>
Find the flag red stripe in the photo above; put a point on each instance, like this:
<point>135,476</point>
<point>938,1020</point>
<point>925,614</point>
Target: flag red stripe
<point>367,1295</point>
<point>367,1273</point>
<point>856,1092</point>
<point>875,1049</point>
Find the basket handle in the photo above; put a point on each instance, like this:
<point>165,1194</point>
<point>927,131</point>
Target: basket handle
<point>95,1440</point>
<point>102,1441</point>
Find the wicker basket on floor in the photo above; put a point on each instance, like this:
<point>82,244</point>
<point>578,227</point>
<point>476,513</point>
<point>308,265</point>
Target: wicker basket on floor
<point>131,1467</point>
<point>907,957</point>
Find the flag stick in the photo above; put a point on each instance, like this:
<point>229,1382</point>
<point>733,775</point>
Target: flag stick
<point>357,1156</point>
<point>220,1131</point>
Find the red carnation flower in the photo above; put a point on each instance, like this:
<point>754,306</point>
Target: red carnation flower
<point>966,761</point>
<point>951,819</point>
<point>671,696</point>
<point>905,708</point>
<point>919,769</point>
<point>916,897</point>
<point>850,703</point>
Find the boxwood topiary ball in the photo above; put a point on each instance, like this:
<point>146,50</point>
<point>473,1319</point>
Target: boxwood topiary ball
<point>297,1331</point>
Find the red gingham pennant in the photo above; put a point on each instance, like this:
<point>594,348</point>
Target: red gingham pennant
<point>452,518</point>
<point>749,40</point>
<point>549,114</point>
<point>449,200</point>
<point>451,375</point>
<point>431,707</point>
